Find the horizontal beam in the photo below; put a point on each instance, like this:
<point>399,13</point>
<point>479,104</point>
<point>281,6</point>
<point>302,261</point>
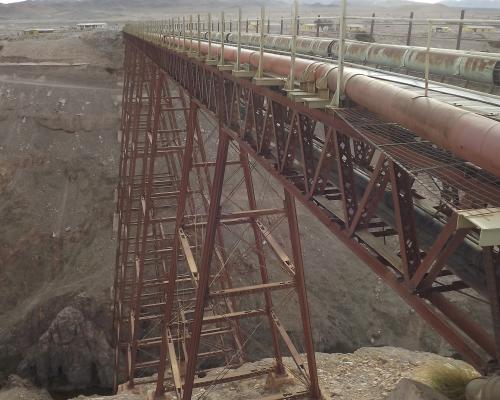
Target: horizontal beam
<point>230,376</point>
<point>252,289</point>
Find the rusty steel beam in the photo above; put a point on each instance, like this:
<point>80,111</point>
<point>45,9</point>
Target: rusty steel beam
<point>206,259</point>
<point>166,274</point>
<point>174,271</point>
<point>422,306</point>
<point>300,283</point>
<point>441,123</point>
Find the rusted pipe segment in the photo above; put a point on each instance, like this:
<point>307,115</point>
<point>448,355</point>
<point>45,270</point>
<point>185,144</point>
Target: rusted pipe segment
<point>472,66</point>
<point>469,136</point>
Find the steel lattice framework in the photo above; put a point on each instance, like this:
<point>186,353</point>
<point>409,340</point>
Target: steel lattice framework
<point>185,308</point>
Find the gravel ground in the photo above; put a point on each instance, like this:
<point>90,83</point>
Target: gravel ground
<point>369,373</point>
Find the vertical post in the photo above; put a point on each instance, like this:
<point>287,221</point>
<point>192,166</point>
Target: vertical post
<point>166,34</point>
<point>460,30</point>
<point>428,57</point>
<point>493,285</point>
<point>199,36</point>
<point>171,275</point>
<point>246,29</point>
<point>190,33</point>
<point>172,32</point>
<point>317,26</point>
<point>218,26</point>
<point>159,31</point>
<point>340,62</point>
<point>257,26</point>
<point>299,278</point>
<point>293,27</point>
<point>206,259</point>
<point>163,31</point>
<point>410,28</point>
<point>281,26</point>
<point>209,52</point>
<point>259,239</point>
<point>184,33</point>
<point>372,25</point>
<point>148,157</point>
<point>237,64</point>
<point>261,43</point>
<point>298,25</point>
<point>180,32</point>
<point>222,23</point>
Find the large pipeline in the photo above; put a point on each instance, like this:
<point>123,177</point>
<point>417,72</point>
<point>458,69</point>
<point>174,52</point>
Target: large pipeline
<point>484,68</point>
<point>469,136</point>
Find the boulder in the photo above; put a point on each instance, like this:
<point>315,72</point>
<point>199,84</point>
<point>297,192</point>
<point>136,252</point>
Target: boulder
<point>17,388</point>
<point>72,354</point>
<point>407,389</point>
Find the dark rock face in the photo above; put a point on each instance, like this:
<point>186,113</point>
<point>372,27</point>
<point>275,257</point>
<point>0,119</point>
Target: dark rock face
<point>72,354</point>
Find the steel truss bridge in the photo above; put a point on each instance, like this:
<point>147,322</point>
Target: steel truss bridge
<point>209,253</point>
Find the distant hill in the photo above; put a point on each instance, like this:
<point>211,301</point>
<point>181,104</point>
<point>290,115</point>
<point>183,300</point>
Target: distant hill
<point>105,10</point>
<point>472,3</point>
<point>70,10</point>
<point>397,3</point>
<point>367,3</point>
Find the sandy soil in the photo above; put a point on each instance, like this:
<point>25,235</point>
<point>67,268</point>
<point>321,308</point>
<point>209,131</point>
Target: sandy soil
<point>58,166</point>
<point>367,374</point>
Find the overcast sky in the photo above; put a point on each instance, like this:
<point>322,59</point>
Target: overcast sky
<point>420,1</point>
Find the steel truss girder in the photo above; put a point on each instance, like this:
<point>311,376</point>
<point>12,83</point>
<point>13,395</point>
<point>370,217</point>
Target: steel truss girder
<point>150,288</point>
<point>282,149</point>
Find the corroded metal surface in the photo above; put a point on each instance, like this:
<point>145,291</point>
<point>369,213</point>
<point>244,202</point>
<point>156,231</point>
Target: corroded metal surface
<point>455,64</point>
<point>366,177</point>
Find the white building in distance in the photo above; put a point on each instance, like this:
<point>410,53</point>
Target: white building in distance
<point>86,26</point>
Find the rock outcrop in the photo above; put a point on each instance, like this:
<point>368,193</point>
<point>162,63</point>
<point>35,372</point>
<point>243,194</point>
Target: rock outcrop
<point>72,354</point>
<point>370,373</point>
<point>408,389</point>
<point>17,388</point>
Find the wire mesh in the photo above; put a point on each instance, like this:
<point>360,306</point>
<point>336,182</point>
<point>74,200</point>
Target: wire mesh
<point>446,178</point>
